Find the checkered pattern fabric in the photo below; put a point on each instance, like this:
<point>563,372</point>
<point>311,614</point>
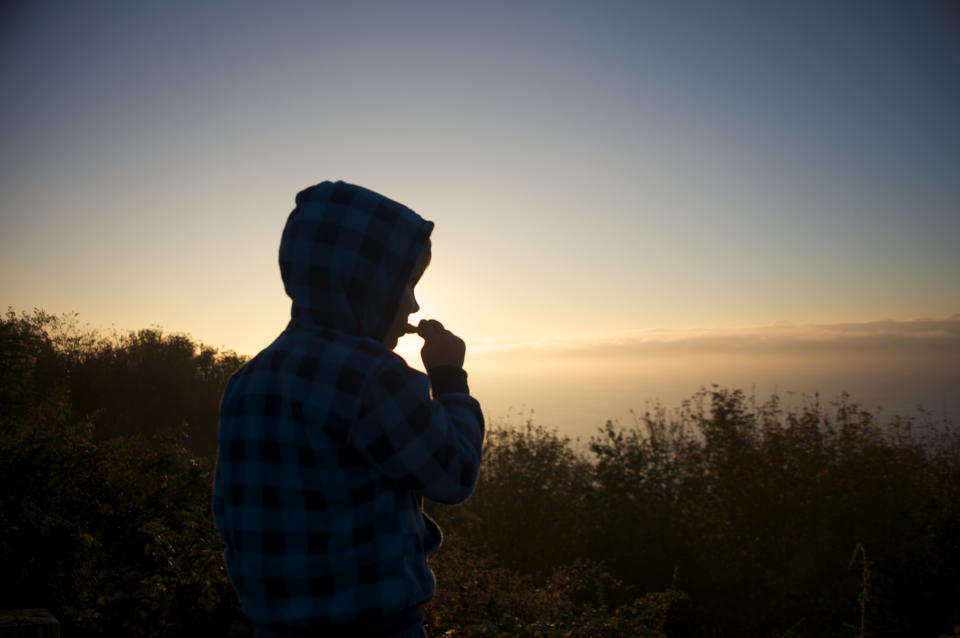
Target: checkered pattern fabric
<point>346,254</point>
<point>329,441</point>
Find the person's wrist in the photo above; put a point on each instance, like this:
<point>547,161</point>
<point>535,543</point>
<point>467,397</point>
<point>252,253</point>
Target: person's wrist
<point>446,378</point>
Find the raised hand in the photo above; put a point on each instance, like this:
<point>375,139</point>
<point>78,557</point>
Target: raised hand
<point>440,346</point>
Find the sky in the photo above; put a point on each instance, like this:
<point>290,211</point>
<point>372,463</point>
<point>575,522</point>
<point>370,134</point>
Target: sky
<point>632,199</point>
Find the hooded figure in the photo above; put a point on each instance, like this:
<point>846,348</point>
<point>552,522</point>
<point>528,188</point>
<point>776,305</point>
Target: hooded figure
<point>328,441</point>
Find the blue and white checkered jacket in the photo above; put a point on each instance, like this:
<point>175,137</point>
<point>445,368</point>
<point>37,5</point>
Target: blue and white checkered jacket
<point>328,441</point>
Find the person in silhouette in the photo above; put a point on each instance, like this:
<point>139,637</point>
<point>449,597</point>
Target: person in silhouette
<point>329,441</point>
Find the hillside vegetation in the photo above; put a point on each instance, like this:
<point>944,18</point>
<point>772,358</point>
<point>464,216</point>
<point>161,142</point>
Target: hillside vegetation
<point>721,517</point>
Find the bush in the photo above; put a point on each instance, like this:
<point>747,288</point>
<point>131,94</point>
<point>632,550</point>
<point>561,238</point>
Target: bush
<point>721,518</point>
<point>762,510</point>
<point>141,383</point>
<point>114,536</point>
<point>478,597</point>
<point>530,501</point>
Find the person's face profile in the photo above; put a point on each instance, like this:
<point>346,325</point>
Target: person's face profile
<point>408,301</point>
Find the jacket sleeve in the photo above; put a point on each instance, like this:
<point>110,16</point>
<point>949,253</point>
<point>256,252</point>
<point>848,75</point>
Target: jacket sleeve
<point>431,446</point>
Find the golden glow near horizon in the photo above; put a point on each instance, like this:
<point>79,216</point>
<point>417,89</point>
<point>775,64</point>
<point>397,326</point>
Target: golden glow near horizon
<point>598,176</point>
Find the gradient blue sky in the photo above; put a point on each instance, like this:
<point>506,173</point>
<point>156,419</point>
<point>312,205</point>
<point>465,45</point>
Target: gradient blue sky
<point>596,170</point>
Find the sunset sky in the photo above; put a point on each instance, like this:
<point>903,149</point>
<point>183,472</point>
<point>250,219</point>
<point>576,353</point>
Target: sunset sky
<point>632,199</point>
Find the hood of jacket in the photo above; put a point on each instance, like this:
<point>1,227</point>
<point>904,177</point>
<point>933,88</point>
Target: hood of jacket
<point>346,255</point>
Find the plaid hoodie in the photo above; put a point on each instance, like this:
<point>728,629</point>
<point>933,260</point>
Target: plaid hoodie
<point>328,441</point>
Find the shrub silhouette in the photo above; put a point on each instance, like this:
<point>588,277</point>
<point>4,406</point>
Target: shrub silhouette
<point>531,487</point>
<point>115,536</point>
<point>722,517</point>
<point>751,511</point>
<point>143,382</point>
<point>761,510</point>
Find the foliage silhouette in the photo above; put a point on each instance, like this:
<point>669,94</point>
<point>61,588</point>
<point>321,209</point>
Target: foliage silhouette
<point>143,382</point>
<point>722,517</point>
<point>115,536</point>
<point>752,512</point>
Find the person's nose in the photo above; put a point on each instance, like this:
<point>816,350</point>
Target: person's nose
<point>414,306</point>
